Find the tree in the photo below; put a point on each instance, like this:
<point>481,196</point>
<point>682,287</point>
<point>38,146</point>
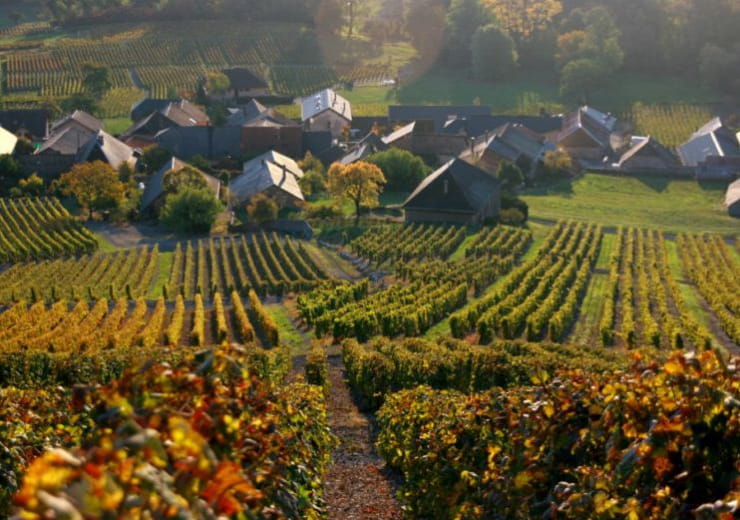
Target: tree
<point>310,163</point>
<point>79,101</point>
<point>262,208</point>
<point>493,52</point>
<point>425,21</point>
<point>402,169</point>
<point>96,79</point>
<point>154,158</point>
<point>31,186</point>
<point>720,68</point>
<point>188,177</point>
<point>190,210</point>
<point>217,81</point>
<point>523,18</point>
<point>510,176</point>
<point>463,19</point>
<point>580,77</point>
<point>557,163</point>
<point>10,173</point>
<point>361,182</point>
<point>94,185</point>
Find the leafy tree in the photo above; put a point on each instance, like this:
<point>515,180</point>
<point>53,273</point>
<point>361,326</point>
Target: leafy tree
<point>10,173</point>
<point>96,79</point>
<point>463,19</point>
<point>190,210</point>
<point>510,176</point>
<point>217,81</point>
<point>580,77</point>
<point>80,102</point>
<point>262,208</point>
<point>23,147</point>
<point>31,186</point>
<point>312,183</point>
<point>720,68</point>
<point>154,158</point>
<point>361,182</point>
<point>94,185</point>
<point>310,163</point>
<point>402,169</point>
<point>493,52</point>
<point>523,18</point>
<point>557,163</point>
<point>188,177</point>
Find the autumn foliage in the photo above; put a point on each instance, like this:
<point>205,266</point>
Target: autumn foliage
<point>203,440</point>
<point>657,441</point>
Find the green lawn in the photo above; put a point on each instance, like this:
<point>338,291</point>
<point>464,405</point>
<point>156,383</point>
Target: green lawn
<point>667,205</point>
<point>117,125</point>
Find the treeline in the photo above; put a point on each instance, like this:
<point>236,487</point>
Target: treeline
<point>586,41</point>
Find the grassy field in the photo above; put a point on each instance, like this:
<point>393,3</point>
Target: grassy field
<point>667,205</point>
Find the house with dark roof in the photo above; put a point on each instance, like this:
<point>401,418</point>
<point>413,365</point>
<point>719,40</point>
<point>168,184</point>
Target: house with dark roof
<point>512,143</point>
<point>326,110</point>
<point>271,173</point>
<point>154,193</point>
<point>433,117</point>
<point>591,137</point>
<point>212,142</point>
<point>646,153</point>
<point>147,106</point>
<point>8,140</point>
<point>367,146</point>
<point>243,84</point>
<point>476,126</point>
<point>420,138</point>
<point>65,142</point>
<point>266,129</point>
<point>732,199</point>
<point>31,124</point>
<point>713,150</point>
<point>104,147</point>
<point>180,114</point>
<point>458,192</point>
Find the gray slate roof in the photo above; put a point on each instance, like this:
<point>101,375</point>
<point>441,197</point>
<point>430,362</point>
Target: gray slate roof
<point>596,124</point>
<point>475,126</point>
<point>155,187</point>
<point>713,139</point>
<point>241,78</point>
<point>439,114</point>
<point>469,190</point>
<point>327,99</point>
<point>265,171</point>
<point>81,118</point>
<point>33,121</point>
<point>208,141</point>
<point>643,143</point>
<point>400,133</point>
<point>105,147</point>
<point>68,141</point>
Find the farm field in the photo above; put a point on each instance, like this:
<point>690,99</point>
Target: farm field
<point>667,205</point>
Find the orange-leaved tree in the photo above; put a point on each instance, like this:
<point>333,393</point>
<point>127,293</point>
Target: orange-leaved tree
<point>361,182</point>
<point>95,186</point>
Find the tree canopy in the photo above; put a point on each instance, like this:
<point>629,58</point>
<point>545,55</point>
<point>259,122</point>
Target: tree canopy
<point>361,182</point>
<point>190,210</point>
<point>94,185</point>
<point>403,170</point>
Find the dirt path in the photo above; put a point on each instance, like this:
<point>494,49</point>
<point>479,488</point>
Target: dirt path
<point>358,485</point>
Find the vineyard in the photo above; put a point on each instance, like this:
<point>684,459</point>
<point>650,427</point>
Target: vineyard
<point>671,125</point>
<point>708,263</point>
<point>540,298</point>
<point>33,229</point>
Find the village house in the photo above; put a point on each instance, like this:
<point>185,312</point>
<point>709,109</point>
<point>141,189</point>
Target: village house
<point>732,199</point>
<point>326,110</point>
<point>154,194</point>
<point>432,118</point>
<point>713,150</point>
<point>8,140</point>
<point>266,129</point>
<point>476,126</point>
<point>29,124</point>
<point>271,173</point>
<point>592,137</point>
<point>211,142</point>
<point>421,138</point>
<point>458,192</point>
<point>512,143</point>
<point>178,114</point>
<point>104,147</point>
<point>243,84</point>
<point>367,146</point>
<point>646,154</point>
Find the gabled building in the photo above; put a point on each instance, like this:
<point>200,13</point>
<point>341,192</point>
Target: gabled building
<point>212,142</point>
<point>178,114</point>
<point>79,120</point>
<point>8,140</point>
<point>420,138</point>
<point>433,118</point>
<point>104,147</point>
<point>732,199</point>
<point>590,136</point>
<point>369,145</point>
<point>457,192</point>
<point>31,124</point>
<point>264,129</point>
<point>713,150</point>
<point>512,143</point>
<point>271,173</point>
<point>154,193</point>
<point>326,110</point>
<point>243,84</point>
<point>646,153</point>
<point>479,125</point>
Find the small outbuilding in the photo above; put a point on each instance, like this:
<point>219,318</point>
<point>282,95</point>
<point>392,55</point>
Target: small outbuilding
<point>104,147</point>
<point>458,192</point>
<point>732,199</point>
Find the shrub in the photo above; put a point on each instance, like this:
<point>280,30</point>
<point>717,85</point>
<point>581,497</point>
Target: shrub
<point>190,210</point>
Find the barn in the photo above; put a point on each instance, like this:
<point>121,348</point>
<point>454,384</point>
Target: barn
<point>458,192</point>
